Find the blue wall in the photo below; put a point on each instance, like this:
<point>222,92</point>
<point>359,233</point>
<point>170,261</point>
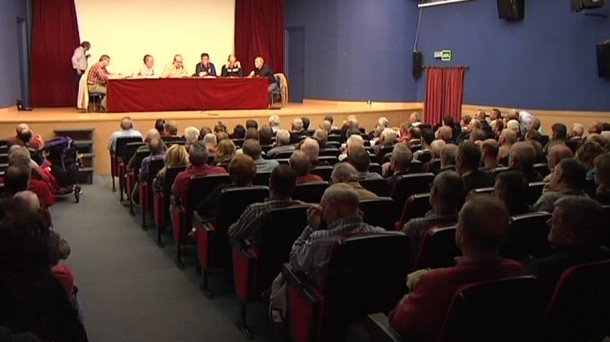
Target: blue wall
<point>547,61</point>
<point>357,49</point>
<point>9,57</point>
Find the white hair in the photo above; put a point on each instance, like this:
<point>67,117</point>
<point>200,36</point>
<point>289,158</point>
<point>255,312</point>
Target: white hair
<point>383,121</point>
<point>191,134</point>
<point>297,124</point>
<point>341,193</point>
<point>389,135</point>
<point>209,138</point>
<point>355,139</point>
<point>311,148</point>
<point>578,129</point>
<point>283,137</point>
<point>153,134</point>
<point>274,120</point>
<point>513,125</point>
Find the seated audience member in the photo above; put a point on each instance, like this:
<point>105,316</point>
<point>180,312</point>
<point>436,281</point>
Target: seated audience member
<point>512,189</point>
<point>148,68</point>
<point>467,126</point>
<point>274,123</point>
<point>602,178</point>
<point>415,134</point>
<point>445,133</point>
<point>297,131</point>
<point>210,142</point>
<point>576,233</point>
<point>136,160</point>
<point>521,158</point>
<point>282,144</point>
<point>599,139</point>
<point>191,135</point>
<point>220,127</point>
<point>540,157</point>
<point>300,163</point>
<point>205,130</point>
<point>281,188</point>
<point>497,128</point>
<point>172,128</point>
<point>331,119</point>
<point>386,138</point>
<point>596,128</point>
<point>157,152</point>
<point>232,68</point>
<point>350,126</point>
<point>25,137</point>
<point>568,180</point>
<point>495,114</point>
<point>477,135</point>
<point>427,138</point>
<point>533,126</point>
<point>556,153</point>
<point>242,171</point>
<point>61,271</point>
<point>455,128</point>
<point>327,126</point>
<point>198,157</point>
<point>586,154</point>
<point>265,136</point>
<point>253,149</point>
<point>225,152</point>
<point>220,136</point>
<point>446,195</point>
<point>489,155</point>
<point>513,125</point>
<point>312,150</point>
<point>360,159</point>
<point>481,116</point>
<point>175,70</point>
<point>404,132</point>
<point>559,134</point>
<point>577,132</point>
<point>306,123</point>
<point>33,300</point>
<point>175,156</point>
<point>321,136</point>
<point>20,167</point>
<point>354,141</point>
<point>415,119</point>
<point>42,173</point>
<point>375,135</point>
<point>160,127</point>
<point>467,165</point>
<point>126,131</point>
<point>252,133</point>
<point>251,123</point>
<point>448,157</point>
<point>436,147</point>
<point>482,226</point>
<point>506,141</point>
<point>346,173</point>
<point>16,179</point>
<point>239,132</point>
<point>205,68</point>
<point>400,162</point>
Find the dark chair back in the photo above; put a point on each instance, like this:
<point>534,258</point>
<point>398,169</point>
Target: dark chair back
<point>579,309</point>
<point>262,178</point>
<point>170,176</point>
<point>266,148</point>
<point>573,144</point>
<point>542,168</point>
<point>416,167</point>
<point>323,171</point>
<point>310,192</point>
<point>173,140</point>
<point>481,191</point>
<point>331,160</point>
<point>375,167</point>
<point>432,166</point>
<point>438,248</point>
<point>234,201</point>
<point>407,185</point>
<point>383,150</point>
<point>329,152</point>
<point>335,144</point>
<point>129,150</point>
<point>334,137</point>
<point>497,310</point>
<point>377,185</point>
<point>379,212</point>
<point>416,206</point>
<point>527,236</point>
<point>282,155</point>
<point>535,191</point>
<point>201,186</point>
<point>121,143</point>
<point>605,231</point>
<point>590,187</point>
<point>425,156</point>
<point>238,142</point>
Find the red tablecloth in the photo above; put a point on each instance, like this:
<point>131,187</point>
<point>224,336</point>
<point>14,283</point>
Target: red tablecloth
<point>175,94</point>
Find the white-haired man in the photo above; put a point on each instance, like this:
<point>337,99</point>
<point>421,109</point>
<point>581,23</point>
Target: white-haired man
<point>126,131</point>
<point>274,123</point>
<point>282,144</point>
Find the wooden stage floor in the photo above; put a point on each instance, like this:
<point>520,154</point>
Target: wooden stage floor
<point>44,121</point>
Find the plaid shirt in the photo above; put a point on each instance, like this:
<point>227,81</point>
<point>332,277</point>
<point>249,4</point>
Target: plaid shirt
<point>146,164</point>
<point>98,74</point>
<point>246,227</point>
<point>312,250</point>
<point>417,227</point>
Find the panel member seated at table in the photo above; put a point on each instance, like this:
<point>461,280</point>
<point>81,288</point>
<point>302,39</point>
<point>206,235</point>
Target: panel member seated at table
<point>175,70</point>
<point>232,68</point>
<point>264,70</point>
<point>205,67</point>
<point>148,69</point>
<point>97,78</point>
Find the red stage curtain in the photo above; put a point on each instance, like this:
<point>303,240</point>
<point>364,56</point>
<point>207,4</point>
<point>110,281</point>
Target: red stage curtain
<point>444,93</point>
<point>259,31</point>
<point>54,38</point>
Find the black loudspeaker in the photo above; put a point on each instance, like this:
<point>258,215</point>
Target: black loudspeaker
<point>603,60</point>
<point>511,9</point>
<point>418,64</point>
<point>579,5</point>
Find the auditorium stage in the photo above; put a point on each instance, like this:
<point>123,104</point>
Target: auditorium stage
<point>44,121</point>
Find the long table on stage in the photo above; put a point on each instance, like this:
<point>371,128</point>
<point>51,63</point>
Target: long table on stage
<point>186,94</point>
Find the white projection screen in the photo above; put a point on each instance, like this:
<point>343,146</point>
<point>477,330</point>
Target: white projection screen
<point>126,30</point>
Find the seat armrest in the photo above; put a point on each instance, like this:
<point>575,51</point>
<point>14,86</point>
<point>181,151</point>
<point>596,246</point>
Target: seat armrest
<point>175,201</point>
<point>295,278</point>
<point>202,222</point>
<point>379,329</point>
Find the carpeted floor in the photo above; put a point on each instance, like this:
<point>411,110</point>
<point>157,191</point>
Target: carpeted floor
<point>131,290</point>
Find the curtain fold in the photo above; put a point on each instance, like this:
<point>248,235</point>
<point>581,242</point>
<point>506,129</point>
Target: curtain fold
<point>259,31</point>
<point>54,38</point>
<point>444,93</point>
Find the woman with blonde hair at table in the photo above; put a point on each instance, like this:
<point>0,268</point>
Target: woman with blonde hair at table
<point>175,156</point>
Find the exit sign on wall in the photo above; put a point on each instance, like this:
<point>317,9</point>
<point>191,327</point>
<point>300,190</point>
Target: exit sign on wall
<point>446,55</point>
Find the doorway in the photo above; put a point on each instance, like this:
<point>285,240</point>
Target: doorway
<point>295,60</point>
<point>24,65</point>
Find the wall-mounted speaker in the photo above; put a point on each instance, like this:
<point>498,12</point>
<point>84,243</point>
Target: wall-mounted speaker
<point>418,64</point>
<point>603,60</point>
<point>579,5</point>
<point>511,9</point>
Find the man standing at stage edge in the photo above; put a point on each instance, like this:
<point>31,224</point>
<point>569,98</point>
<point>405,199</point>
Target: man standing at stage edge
<point>79,62</point>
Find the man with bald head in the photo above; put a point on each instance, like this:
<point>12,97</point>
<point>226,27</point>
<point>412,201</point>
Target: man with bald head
<point>489,155</point>
<point>300,163</point>
<point>445,133</point>
<point>557,153</point>
<point>482,226</point>
<point>312,150</point>
<point>521,158</point>
<point>175,69</point>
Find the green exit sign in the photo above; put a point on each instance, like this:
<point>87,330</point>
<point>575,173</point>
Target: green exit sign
<point>446,55</point>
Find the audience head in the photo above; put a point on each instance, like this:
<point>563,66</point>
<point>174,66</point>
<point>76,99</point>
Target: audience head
<point>225,151</point>
<point>587,152</point>
<point>300,163</point>
<point>251,124</point>
<point>16,179</point>
<point>152,134</point>
<point>468,157</point>
<point>448,121</point>
<point>513,125</point>
<point>239,132</point>
<point>568,174</point>
<point>445,133</point>
<point>156,146</point>
<point>176,155</point>
<point>274,121</point>
<point>602,170</point>
<point>427,136</point>
<point>533,136</point>
<point>321,136</point>
<point>557,153</point>
<point>498,127</point>
<point>203,131</point>
<point>282,137</point>
<point>282,182</point>
<point>339,201</point>
<point>447,191</point>
<point>306,122</point>
<point>448,155</point>
<point>160,126</point>
<point>126,123</point>
<point>436,147</point>
<point>171,127</point>
<point>344,173</point>
<point>559,131</point>
<point>495,114</point>
<point>220,127</point>
<point>265,134</point>
<point>252,148</point>
<point>326,126</point>
<point>329,118</point>
<point>533,125</point>
<point>354,140</point>
<point>311,148</point>
<point>576,222</point>
<point>220,136</point>
<point>297,125</point>
<point>252,133</point>
<point>388,137</point>
<point>596,128</point>
<point>242,170</point>
<point>198,154</point>
<point>401,158</point>
<point>466,119</point>
<point>416,133</point>
<point>360,159</point>
<point>29,198</point>
<point>191,134</point>
<point>577,131</point>
<point>597,138</point>
<point>482,225</point>
<point>481,115</point>
<point>415,117</point>
<point>477,135</point>
<point>521,156</point>
<point>210,140</point>
<point>512,188</point>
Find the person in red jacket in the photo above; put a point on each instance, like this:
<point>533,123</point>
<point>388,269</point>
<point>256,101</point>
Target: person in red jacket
<point>483,222</point>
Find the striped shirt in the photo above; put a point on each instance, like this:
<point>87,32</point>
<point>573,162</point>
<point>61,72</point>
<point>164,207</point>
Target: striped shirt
<point>248,224</point>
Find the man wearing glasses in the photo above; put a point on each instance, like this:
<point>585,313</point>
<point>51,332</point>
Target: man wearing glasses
<point>175,70</point>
